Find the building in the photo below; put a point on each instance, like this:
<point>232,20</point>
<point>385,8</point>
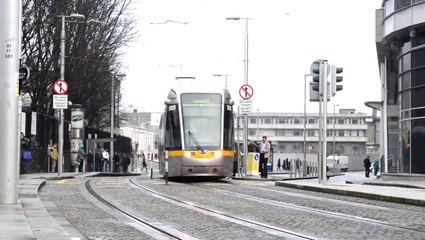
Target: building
<point>142,128</point>
<point>286,131</point>
<point>400,43</point>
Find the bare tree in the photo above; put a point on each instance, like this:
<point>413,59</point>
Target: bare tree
<point>92,51</point>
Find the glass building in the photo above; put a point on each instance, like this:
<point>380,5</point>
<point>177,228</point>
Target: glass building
<point>400,41</point>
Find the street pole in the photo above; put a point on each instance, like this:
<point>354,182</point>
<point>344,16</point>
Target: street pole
<point>111,150</point>
<point>333,148</point>
<point>245,126</point>
<point>9,62</point>
<point>305,122</point>
<point>324,79</point>
<point>61,119</point>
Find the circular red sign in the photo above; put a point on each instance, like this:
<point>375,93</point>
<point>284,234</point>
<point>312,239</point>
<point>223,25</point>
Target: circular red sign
<point>246,91</point>
<point>60,87</point>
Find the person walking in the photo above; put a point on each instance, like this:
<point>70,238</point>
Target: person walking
<point>367,163</point>
<point>90,161</point>
<point>278,165</point>
<point>144,165</point>
<point>54,157</point>
<point>264,156</point>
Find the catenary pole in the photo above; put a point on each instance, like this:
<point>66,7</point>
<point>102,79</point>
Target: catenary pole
<point>9,62</point>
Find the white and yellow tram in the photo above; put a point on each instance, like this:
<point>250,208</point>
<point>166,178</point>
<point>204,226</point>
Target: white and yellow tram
<point>197,133</point>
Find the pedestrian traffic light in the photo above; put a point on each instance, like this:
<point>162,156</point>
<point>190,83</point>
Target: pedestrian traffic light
<point>335,79</point>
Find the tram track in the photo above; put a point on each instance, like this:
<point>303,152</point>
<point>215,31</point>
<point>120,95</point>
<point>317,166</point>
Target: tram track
<point>308,209</point>
<point>270,229</point>
<point>158,232</point>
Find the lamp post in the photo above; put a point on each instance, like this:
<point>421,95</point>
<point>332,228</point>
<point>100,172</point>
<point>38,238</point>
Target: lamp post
<point>305,122</point>
<point>111,155</point>
<point>225,78</point>
<point>333,148</point>
<point>62,77</point>
<point>245,126</point>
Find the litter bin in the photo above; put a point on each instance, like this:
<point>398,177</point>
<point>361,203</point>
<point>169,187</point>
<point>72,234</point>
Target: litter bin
<point>253,164</point>
<point>269,167</point>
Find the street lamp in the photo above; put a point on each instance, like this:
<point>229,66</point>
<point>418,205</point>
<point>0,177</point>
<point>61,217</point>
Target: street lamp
<point>111,155</point>
<point>225,78</point>
<point>62,77</point>
<point>305,122</point>
<point>245,127</point>
<point>333,148</point>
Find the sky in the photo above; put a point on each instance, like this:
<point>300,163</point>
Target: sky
<point>284,37</point>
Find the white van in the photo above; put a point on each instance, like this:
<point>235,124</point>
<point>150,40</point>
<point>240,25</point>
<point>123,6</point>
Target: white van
<point>340,162</point>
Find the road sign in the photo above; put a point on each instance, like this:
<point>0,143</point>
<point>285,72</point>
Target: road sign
<point>246,91</point>
<point>60,87</point>
<point>245,106</point>
<point>60,101</point>
<point>310,148</point>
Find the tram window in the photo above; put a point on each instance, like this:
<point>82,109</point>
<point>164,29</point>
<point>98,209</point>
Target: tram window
<point>228,128</point>
<point>172,135</point>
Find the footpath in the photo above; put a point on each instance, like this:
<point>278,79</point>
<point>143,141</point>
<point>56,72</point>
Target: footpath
<point>29,218</point>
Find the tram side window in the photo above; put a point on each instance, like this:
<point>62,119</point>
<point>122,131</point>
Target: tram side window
<point>172,129</point>
<point>228,128</point>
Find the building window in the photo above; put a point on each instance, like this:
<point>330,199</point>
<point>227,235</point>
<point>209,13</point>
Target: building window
<point>340,120</point>
<point>280,132</point>
<point>311,121</point>
<point>310,133</point>
<point>253,120</point>
<point>297,132</point>
<point>340,133</point>
<point>399,4</point>
<point>281,120</point>
<point>355,121</point>
<point>297,121</point>
<point>251,132</point>
<point>267,120</point>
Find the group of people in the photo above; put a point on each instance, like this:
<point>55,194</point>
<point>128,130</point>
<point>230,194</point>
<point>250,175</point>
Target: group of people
<point>284,165</point>
<point>368,165</point>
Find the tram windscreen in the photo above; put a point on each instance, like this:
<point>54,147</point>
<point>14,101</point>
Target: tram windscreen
<point>202,114</point>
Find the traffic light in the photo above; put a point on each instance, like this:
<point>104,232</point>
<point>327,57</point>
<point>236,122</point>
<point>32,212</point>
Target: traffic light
<point>335,79</point>
<point>315,73</point>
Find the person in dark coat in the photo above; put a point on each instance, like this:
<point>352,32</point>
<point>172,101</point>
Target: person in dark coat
<point>367,164</point>
<point>117,163</point>
<point>125,162</point>
<point>278,165</point>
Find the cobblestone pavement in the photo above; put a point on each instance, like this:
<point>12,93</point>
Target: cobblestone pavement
<point>309,223</point>
<point>97,222</point>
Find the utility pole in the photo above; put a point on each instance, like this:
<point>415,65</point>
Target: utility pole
<point>9,91</point>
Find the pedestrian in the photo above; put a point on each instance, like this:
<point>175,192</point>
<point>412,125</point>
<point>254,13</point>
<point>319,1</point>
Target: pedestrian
<point>54,157</point>
<point>90,159</point>
<point>81,158</point>
<point>367,163</point>
<point>252,147</point>
<point>264,156</point>
<point>117,162</point>
<point>144,165</point>
<point>375,167</point>
<point>105,160</point>
<point>278,165</point>
<point>98,159</point>
<point>125,162</point>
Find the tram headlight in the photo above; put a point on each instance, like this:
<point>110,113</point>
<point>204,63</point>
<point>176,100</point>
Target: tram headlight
<point>189,154</point>
<point>216,154</point>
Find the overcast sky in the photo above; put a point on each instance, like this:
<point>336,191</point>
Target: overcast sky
<point>285,37</point>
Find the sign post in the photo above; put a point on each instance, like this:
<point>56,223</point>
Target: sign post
<point>245,92</point>
<point>60,88</point>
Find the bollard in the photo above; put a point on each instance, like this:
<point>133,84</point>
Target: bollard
<point>290,168</point>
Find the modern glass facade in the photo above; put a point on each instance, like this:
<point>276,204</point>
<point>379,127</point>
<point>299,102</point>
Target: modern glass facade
<point>405,53</point>
<point>412,104</point>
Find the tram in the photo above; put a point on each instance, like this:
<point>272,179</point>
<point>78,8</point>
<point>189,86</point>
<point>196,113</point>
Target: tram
<point>197,133</point>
